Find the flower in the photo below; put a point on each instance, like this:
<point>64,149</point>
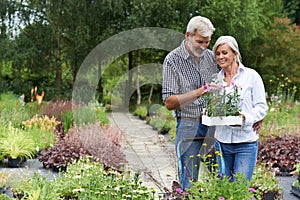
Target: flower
<point>179,190</point>
<point>252,190</point>
<point>221,198</point>
<point>222,100</point>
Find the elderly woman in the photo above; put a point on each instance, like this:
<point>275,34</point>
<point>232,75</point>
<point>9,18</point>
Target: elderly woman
<point>239,144</point>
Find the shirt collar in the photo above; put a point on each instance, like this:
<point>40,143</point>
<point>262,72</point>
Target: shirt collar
<point>185,53</point>
<point>241,69</point>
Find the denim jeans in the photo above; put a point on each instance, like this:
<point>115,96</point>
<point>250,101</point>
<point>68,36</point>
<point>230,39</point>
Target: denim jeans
<point>239,157</point>
<point>188,166</point>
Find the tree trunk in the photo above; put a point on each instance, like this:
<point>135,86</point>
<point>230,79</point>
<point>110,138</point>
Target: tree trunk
<point>58,67</point>
<point>99,87</point>
<point>150,95</point>
<point>138,73</point>
<point>129,82</point>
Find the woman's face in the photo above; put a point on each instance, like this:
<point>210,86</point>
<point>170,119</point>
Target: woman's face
<point>197,44</point>
<point>225,56</point>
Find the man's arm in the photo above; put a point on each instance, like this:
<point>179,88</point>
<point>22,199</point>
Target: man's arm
<point>181,100</point>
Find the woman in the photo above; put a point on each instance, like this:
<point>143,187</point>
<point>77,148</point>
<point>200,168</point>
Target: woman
<point>239,144</point>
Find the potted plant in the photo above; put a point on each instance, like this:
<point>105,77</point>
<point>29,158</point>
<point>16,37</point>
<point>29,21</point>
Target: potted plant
<point>296,184</point>
<point>213,185</point>
<point>17,146</point>
<point>223,104</point>
<point>3,180</point>
<point>266,184</point>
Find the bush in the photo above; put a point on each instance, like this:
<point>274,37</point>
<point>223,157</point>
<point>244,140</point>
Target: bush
<point>42,130</point>
<point>67,120</point>
<point>279,152</point>
<point>141,111</point>
<point>57,108</point>
<point>100,142</point>
<point>84,179</point>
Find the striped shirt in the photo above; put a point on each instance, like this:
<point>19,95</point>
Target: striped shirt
<point>254,107</point>
<point>182,74</point>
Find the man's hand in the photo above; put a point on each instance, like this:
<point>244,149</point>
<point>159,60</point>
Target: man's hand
<point>257,126</point>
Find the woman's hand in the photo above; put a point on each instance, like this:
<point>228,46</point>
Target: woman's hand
<point>257,126</point>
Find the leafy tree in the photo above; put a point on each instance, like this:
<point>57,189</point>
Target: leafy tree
<point>292,9</point>
<point>242,19</point>
<point>279,52</point>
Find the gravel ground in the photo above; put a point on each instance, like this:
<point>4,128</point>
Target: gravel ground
<point>286,182</point>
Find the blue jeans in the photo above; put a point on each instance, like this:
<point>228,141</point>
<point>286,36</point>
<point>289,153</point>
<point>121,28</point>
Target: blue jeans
<point>188,167</point>
<point>239,157</point>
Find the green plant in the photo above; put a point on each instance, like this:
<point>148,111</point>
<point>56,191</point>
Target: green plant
<point>283,117</point>
<point>67,120</point>
<point>102,116</point>
<point>222,100</point>
<point>16,143</point>
<point>3,178</point>
<point>265,181</point>
<point>284,91</point>
<point>8,100</point>
<point>212,185</point>
<point>35,187</point>
<point>86,179</point>
<point>4,197</point>
<point>297,167</point>
<point>42,130</point>
<point>157,123</point>
<point>296,183</point>
<point>141,111</point>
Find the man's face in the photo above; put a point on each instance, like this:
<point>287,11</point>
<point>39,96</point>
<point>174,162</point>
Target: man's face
<point>196,44</point>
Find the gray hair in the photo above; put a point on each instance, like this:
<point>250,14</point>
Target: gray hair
<point>231,41</point>
<point>202,24</point>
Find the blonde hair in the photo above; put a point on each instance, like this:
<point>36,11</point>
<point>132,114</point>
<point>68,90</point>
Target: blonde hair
<point>202,24</point>
<point>232,43</point>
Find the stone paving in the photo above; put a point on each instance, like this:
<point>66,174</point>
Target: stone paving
<point>147,152</point>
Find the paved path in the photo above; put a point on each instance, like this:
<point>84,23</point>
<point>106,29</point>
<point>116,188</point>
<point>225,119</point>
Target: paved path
<point>146,151</point>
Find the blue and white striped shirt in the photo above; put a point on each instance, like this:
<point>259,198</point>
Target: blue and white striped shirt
<point>182,74</point>
<point>254,107</point>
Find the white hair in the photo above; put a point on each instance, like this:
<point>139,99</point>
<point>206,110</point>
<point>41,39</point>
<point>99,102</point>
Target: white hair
<point>202,24</point>
<point>232,43</point>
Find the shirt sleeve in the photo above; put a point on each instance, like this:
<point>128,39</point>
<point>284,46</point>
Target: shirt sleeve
<point>169,83</point>
<point>259,108</point>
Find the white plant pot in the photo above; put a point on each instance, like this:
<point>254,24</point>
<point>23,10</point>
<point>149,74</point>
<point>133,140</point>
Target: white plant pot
<point>222,120</point>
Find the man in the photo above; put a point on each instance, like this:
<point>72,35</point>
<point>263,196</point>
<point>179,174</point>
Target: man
<point>186,69</point>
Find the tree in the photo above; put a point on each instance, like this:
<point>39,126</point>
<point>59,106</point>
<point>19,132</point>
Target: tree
<point>292,9</point>
<point>245,20</point>
<point>279,51</point>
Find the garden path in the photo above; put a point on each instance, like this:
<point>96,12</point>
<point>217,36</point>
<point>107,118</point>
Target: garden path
<point>146,151</point>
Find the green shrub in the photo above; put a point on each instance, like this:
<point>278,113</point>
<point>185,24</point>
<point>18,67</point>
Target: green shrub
<point>8,100</point>
<point>102,116</point>
<point>41,129</point>
<point>85,179</point>
<point>17,143</point>
<point>157,123</point>
<point>67,120</point>
<point>89,180</point>
<point>36,187</point>
<point>141,111</point>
